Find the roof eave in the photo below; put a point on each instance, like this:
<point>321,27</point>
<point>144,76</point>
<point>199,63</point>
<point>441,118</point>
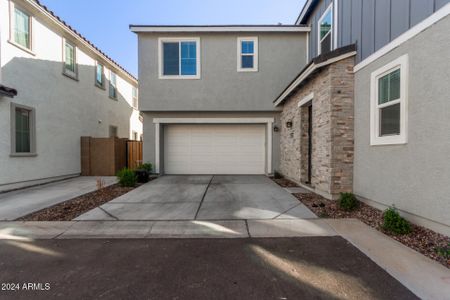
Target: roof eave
<point>227,28</point>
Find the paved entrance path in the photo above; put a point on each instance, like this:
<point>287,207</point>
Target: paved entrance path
<point>286,268</point>
<point>204,198</point>
<point>19,203</point>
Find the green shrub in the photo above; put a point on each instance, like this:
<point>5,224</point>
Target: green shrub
<point>394,223</point>
<point>444,251</point>
<point>147,167</point>
<point>348,202</point>
<point>126,177</point>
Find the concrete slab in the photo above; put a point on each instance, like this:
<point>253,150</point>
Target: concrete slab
<point>32,230</point>
<point>245,201</point>
<point>108,229</point>
<point>154,192</point>
<point>199,229</point>
<point>297,190</point>
<point>298,212</point>
<point>423,276</point>
<point>19,203</point>
<point>289,228</point>
<point>181,179</point>
<point>151,211</point>
<point>96,214</point>
<point>242,179</point>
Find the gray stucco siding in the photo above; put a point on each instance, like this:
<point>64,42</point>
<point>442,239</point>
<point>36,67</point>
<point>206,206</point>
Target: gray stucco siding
<point>221,87</point>
<point>414,177</point>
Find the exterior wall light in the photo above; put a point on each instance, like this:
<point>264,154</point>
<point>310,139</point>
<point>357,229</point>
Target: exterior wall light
<point>289,124</point>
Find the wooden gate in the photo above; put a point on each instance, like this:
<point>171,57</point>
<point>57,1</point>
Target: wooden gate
<point>134,154</point>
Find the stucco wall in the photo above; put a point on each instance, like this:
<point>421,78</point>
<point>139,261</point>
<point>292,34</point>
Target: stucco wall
<point>414,177</point>
<point>221,87</point>
<point>149,130</point>
<point>65,109</point>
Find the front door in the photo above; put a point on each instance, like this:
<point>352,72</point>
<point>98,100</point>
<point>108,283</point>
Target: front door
<point>309,143</point>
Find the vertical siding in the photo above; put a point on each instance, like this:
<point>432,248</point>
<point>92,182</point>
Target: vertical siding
<point>372,24</point>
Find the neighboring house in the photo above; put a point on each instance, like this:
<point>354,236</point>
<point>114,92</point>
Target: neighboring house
<point>354,98</point>
<point>63,88</point>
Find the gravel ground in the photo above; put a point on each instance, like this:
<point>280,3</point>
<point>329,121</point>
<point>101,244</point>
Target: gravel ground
<point>73,208</point>
<point>420,239</point>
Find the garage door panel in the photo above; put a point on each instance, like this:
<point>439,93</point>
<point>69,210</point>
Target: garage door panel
<point>214,149</point>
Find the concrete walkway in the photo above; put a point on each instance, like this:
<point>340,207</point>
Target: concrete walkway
<point>19,203</point>
<point>203,198</point>
<point>423,276</point>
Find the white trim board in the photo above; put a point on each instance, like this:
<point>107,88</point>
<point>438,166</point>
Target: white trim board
<point>306,99</point>
<point>307,72</point>
<point>138,29</point>
<point>431,20</point>
<point>268,121</point>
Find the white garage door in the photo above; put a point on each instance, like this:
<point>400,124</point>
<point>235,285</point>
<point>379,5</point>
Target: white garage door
<point>214,149</point>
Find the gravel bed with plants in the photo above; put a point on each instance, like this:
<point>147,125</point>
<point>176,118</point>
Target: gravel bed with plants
<point>431,244</point>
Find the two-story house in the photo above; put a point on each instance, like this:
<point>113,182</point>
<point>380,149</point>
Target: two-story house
<point>352,98</point>
<point>56,86</point>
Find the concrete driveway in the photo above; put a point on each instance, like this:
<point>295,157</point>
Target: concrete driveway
<point>203,198</point>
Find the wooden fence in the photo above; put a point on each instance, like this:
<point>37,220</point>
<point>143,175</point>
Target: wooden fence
<point>134,154</point>
<point>106,156</point>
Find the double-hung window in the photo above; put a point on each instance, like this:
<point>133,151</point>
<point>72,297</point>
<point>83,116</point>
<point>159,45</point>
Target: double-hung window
<point>135,97</point>
<point>70,60</point>
<point>325,31</point>
<point>21,28</point>
<point>389,103</point>
<point>23,135</point>
<point>179,58</point>
<point>112,85</point>
<point>248,54</point>
<point>99,76</point>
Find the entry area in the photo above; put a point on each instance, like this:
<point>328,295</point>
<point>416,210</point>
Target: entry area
<point>215,149</point>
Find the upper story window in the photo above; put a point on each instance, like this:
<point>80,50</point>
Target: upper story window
<point>135,97</point>
<point>100,76</point>
<point>325,31</point>
<point>70,60</point>
<point>179,58</point>
<point>248,54</point>
<point>389,103</point>
<point>20,28</point>
<point>112,85</point>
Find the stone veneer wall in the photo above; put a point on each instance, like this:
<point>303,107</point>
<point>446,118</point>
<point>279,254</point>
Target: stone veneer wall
<point>332,140</point>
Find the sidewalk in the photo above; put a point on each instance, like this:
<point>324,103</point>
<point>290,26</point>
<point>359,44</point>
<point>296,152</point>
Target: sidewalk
<point>22,202</point>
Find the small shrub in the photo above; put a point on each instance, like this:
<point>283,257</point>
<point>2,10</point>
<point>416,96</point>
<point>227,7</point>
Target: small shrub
<point>444,251</point>
<point>348,202</point>
<point>127,177</point>
<point>394,223</point>
<point>147,167</point>
<point>277,175</point>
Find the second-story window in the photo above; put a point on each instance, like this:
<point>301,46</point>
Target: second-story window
<point>325,25</point>
<point>135,97</point>
<point>248,54</point>
<point>179,58</point>
<point>70,60</point>
<point>112,85</point>
<point>99,76</point>
<point>21,33</point>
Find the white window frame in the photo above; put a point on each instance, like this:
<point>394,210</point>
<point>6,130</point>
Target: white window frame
<point>102,86</point>
<point>401,64</point>
<point>32,122</point>
<point>135,98</point>
<point>68,73</point>
<point>179,40</point>
<point>253,39</point>
<point>332,31</point>
<point>114,86</point>
<point>12,7</point>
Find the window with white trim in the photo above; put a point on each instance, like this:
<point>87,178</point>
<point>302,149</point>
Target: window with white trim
<point>70,60</point>
<point>325,31</point>
<point>179,58</point>
<point>247,54</point>
<point>389,103</point>
<point>112,85</point>
<point>135,97</point>
<point>23,130</point>
<point>100,75</point>
<point>20,27</point>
